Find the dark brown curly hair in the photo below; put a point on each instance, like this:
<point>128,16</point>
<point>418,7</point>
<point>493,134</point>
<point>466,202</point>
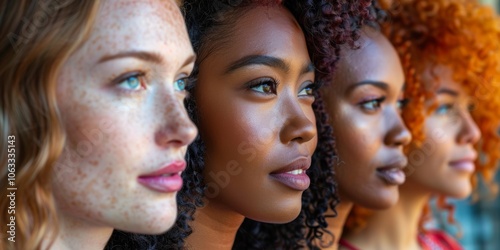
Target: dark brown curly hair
<point>462,35</point>
<point>326,25</point>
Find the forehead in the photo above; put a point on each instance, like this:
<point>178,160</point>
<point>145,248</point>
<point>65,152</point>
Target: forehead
<point>375,59</point>
<point>265,29</point>
<point>139,25</point>
<point>440,76</point>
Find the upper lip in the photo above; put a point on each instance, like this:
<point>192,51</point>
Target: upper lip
<point>303,162</point>
<point>170,168</point>
<point>396,162</point>
<point>471,156</point>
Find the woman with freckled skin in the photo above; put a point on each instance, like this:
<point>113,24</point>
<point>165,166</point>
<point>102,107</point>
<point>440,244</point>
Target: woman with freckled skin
<point>451,57</point>
<point>364,102</point>
<point>93,102</point>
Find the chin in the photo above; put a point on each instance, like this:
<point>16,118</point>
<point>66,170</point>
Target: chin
<point>281,214</point>
<point>380,200</point>
<point>460,192</point>
<point>152,225</point>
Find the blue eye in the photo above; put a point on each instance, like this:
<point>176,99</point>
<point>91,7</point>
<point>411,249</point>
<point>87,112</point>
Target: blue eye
<point>131,83</point>
<point>308,90</point>
<point>372,105</point>
<point>444,109</point>
<point>180,85</point>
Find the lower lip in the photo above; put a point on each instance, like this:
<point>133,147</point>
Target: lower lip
<point>164,184</point>
<point>299,182</point>
<point>464,166</point>
<point>393,176</point>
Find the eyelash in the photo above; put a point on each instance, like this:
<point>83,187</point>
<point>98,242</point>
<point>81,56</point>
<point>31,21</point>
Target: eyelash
<point>312,86</point>
<point>377,102</point>
<point>444,109</point>
<point>182,88</point>
<point>122,79</point>
<point>271,83</point>
<point>402,103</point>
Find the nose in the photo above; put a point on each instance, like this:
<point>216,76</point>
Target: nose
<point>297,126</point>
<point>469,132</point>
<point>397,134</point>
<point>176,130</point>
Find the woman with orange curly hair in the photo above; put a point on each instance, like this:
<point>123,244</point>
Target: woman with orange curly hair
<point>451,56</point>
<point>93,125</point>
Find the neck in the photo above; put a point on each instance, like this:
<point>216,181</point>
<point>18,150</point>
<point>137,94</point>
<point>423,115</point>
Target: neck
<point>336,224</point>
<point>75,233</point>
<point>401,222</point>
<point>214,227</point>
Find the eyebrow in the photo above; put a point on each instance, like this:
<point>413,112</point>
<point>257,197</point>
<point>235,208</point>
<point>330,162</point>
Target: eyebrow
<point>378,84</point>
<point>191,59</point>
<point>143,55</point>
<point>447,91</point>
<point>309,67</point>
<point>270,61</point>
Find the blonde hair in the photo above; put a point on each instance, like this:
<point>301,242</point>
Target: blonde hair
<point>36,38</point>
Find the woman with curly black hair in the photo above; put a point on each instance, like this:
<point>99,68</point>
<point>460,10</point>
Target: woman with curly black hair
<point>328,25</point>
<point>212,178</point>
<point>363,133</point>
<point>266,27</point>
<point>251,97</point>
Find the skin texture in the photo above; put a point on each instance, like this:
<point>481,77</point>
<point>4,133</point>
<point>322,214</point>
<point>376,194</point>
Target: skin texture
<point>368,135</point>
<point>118,130</point>
<point>450,134</point>
<point>252,132</point>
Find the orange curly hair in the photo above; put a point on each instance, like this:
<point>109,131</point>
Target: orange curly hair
<point>460,34</point>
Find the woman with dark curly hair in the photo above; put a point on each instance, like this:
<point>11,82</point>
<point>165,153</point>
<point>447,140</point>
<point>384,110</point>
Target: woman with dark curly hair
<point>213,26</point>
<point>252,94</point>
<point>365,104</point>
<point>311,226</point>
<point>359,102</point>
<point>451,57</point>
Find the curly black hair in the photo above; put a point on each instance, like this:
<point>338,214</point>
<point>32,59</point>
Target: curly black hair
<point>327,25</point>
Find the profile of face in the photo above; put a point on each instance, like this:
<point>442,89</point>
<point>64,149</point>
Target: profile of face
<point>444,163</point>
<point>120,97</point>
<point>254,96</point>
<point>364,103</point>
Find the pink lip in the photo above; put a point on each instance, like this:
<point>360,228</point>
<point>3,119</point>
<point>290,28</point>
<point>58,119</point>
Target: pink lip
<point>392,173</point>
<point>299,182</point>
<point>465,164</point>
<point>166,179</point>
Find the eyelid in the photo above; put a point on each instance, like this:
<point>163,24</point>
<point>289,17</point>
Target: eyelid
<point>371,99</point>
<point>119,79</point>
<point>141,77</point>
<point>309,84</point>
<point>379,102</point>
<point>403,102</point>
<point>261,81</point>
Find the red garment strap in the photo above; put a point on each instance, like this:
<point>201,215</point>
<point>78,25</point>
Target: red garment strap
<point>438,240</point>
